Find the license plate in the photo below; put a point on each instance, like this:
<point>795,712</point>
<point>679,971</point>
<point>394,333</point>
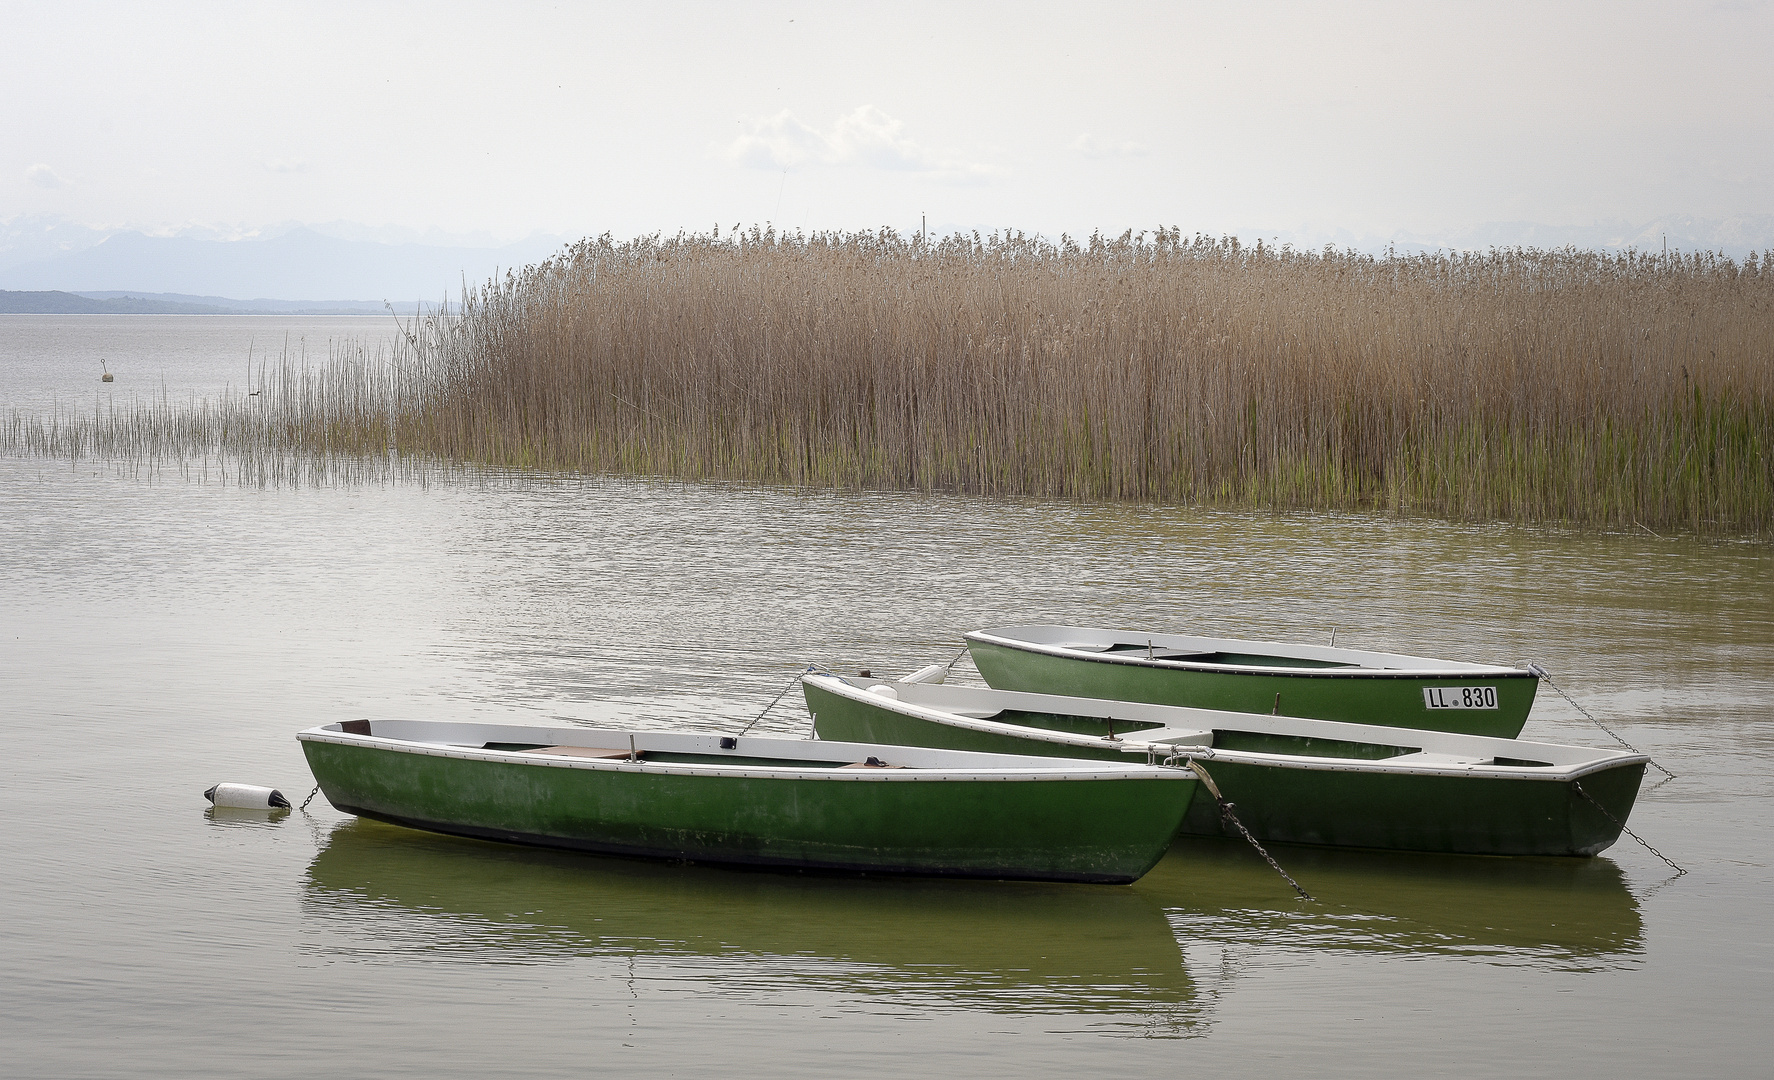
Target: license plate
<point>1459,697</point>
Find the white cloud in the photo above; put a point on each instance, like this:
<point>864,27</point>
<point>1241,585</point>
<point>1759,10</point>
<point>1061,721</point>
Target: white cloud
<point>44,176</point>
<point>780,142</point>
<point>1092,147</point>
<point>865,137</point>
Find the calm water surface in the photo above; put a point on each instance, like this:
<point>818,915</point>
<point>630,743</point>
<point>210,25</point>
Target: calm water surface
<point>156,638</point>
<point>50,362</point>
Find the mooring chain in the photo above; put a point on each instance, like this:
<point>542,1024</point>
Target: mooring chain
<point>1578,787</point>
<point>1227,814</point>
<point>1546,676</point>
<point>310,797</point>
<point>811,668</point>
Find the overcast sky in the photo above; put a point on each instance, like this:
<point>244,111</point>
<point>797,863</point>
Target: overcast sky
<point>511,119</point>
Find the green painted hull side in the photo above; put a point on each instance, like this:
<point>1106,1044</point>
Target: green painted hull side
<point>1388,701</point>
<point>1451,814</point>
<point>1109,831</point>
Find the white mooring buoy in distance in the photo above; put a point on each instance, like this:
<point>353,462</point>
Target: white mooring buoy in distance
<point>247,797</point>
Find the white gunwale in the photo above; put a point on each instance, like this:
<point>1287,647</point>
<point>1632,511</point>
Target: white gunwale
<point>1189,732</point>
<point>439,738</point>
<point>1085,644</point>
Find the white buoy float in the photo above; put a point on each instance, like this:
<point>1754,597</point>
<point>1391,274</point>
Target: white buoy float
<point>247,797</point>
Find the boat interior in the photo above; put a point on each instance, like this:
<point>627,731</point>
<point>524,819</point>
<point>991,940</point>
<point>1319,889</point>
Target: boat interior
<point>1146,651</point>
<point>690,748</point>
<point>1224,652</point>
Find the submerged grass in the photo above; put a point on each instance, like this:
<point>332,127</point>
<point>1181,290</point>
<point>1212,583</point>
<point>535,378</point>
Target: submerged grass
<point>1601,389</point>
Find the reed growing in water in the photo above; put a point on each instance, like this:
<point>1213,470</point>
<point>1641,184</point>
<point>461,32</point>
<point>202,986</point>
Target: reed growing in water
<point>330,422</point>
<point>1518,384</point>
<point>1604,389</point>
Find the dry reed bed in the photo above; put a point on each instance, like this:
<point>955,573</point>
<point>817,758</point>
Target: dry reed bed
<point>1519,384</point>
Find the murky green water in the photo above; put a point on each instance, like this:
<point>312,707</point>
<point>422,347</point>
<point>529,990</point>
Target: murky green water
<point>158,638</point>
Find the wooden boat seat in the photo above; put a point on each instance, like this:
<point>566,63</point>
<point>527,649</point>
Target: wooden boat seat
<point>1182,737</point>
<point>1429,757</point>
<point>578,751</point>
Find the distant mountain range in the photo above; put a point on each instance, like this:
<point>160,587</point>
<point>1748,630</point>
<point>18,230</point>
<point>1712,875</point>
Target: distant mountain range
<point>66,303</point>
<point>39,256</point>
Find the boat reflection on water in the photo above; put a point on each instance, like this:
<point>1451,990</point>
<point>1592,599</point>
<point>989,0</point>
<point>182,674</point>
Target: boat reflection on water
<point>1562,914</point>
<point>1105,953</point>
<point>1108,955</point>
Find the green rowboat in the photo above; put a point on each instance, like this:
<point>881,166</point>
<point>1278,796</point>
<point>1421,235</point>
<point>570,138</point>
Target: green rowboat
<point>757,801</point>
<point>1323,683</point>
<point>1293,780</point>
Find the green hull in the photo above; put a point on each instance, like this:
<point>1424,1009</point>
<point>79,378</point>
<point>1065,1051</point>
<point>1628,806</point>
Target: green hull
<point>1088,830</point>
<point>1351,806</point>
<point>1384,699</point>
<point>1454,814</point>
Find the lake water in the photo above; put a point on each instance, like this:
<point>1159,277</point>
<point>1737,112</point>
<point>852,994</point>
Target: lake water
<point>156,638</point>
<point>54,361</point>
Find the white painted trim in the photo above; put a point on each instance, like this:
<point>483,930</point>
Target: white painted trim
<point>450,737</point>
<point>941,704</point>
<point>1074,643</point>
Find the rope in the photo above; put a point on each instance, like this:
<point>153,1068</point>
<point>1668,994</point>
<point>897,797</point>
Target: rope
<point>811,668</point>
<point>1578,787</point>
<point>310,798</point>
<point>1227,815</point>
<point>1546,677</point>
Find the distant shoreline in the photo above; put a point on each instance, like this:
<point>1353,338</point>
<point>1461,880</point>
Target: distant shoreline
<point>55,302</point>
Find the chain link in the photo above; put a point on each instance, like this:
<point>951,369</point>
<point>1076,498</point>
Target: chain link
<point>310,797</point>
<point>794,682</point>
<point>1546,677</point>
<point>1577,786</point>
<point>1227,814</point>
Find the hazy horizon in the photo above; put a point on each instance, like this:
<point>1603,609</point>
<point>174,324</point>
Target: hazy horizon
<point>1421,125</point>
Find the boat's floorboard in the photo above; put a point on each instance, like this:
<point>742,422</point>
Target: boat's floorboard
<point>1229,659</point>
<point>578,751</point>
<point>666,757</point>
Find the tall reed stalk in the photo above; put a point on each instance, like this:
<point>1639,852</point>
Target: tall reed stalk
<point>1518,384</point>
<point>333,421</point>
<point>1624,390</point>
